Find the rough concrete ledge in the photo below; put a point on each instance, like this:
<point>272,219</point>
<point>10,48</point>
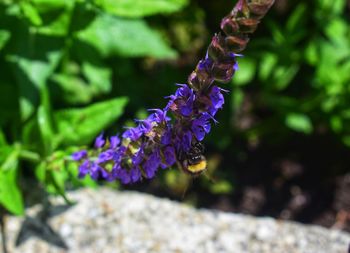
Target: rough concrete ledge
<point>109,221</point>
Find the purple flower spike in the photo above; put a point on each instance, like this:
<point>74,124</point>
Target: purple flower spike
<point>77,156</point>
<point>162,138</point>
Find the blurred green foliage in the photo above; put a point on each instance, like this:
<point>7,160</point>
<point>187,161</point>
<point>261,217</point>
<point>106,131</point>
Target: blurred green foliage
<point>71,68</point>
<point>56,82</point>
<point>300,71</point>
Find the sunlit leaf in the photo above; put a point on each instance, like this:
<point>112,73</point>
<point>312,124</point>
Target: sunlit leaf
<point>33,63</point>
<point>139,8</point>
<point>267,65</point>
<point>221,187</point>
<point>81,126</point>
<point>246,72</point>
<point>299,122</point>
<point>45,128</point>
<point>125,37</point>
<point>31,13</point>
<point>99,77</point>
<point>73,89</point>
<point>50,5</point>
<point>4,37</point>
<point>10,195</point>
<point>297,18</point>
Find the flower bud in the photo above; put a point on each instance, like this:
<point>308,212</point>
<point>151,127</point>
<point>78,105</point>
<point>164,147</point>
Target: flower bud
<point>235,43</point>
<point>216,50</point>
<point>247,25</point>
<point>229,26</point>
<point>259,9</point>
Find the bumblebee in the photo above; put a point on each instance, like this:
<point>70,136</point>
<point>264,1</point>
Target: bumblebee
<point>193,162</point>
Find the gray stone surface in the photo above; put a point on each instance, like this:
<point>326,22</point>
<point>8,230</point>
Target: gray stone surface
<point>109,221</point>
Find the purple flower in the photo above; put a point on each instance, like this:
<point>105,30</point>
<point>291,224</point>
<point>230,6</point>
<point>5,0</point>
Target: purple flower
<point>99,142</point>
<point>123,176</point>
<point>166,137</point>
<point>135,174</point>
<point>138,157</point>
<point>152,163</point>
<point>97,172</point>
<point>84,169</point>
<point>158,116</point>
<point>133,133</point>
<point>183,100</point>
<point>217,99</point>
<point>114,141</point>
<point>201,126</point>
<point>77,156</point>
<point>105,156</point>
<point>205,65</point>
<point>145,126</point>
<point>186,141</point>
<point>169,157</point>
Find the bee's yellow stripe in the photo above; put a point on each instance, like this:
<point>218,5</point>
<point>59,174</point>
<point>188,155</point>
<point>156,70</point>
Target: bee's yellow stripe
<point>195,168</point>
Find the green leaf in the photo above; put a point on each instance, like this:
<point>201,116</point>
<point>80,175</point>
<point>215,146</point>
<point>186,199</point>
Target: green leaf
<point>50,5</point>
<point>267,65</point>
<point>31,13</point>
<point>54,175</point>
<point>140,8</point>
<point>99,77</point>
<point>346,140</point>
<point>311,53</point>
<point>9,104</point>
<point>73,89</point>
<point>283,75</point>
<point>81,126</point>
<point>10,195</point>
<point>221,187</point>
<point>4,37</point>
<point>125,37</point>
<point>237,99</point>
<point>246,72</point>
<point>297,18</point>
<point>33,63</point>
<point>59,26</point>
<point>299,122</point>
<point>45,128</point>
<point>336,123</point>
<point>82,16</point>
<point>331,6</point>
<point>2,139</point>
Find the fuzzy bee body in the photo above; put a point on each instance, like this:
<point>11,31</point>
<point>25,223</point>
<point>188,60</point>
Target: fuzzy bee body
<point>193,162</point>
